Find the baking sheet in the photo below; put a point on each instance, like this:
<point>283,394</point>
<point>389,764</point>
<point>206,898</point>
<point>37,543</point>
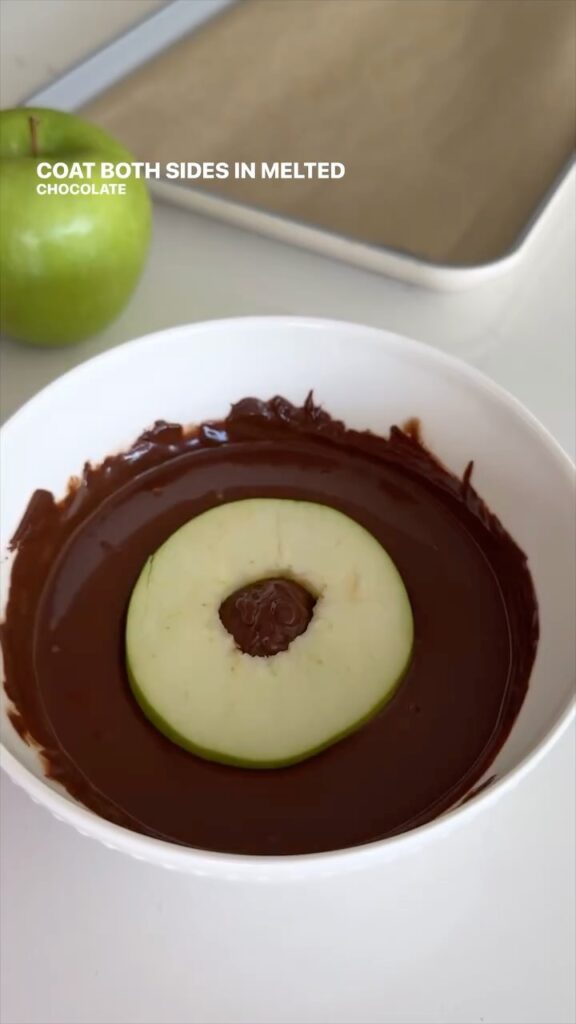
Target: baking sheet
<point>453,118</point>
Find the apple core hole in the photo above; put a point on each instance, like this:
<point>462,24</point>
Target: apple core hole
<point>266,616</point>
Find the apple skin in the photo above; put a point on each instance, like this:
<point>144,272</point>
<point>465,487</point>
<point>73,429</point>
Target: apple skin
<point>68,264</point>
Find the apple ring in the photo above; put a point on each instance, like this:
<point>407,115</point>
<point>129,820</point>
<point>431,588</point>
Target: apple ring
<point>203,692</point>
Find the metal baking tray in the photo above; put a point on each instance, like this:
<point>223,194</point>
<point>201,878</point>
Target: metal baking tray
<point>456,121</point>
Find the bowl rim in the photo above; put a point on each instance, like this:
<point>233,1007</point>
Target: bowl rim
<point>234,866</point>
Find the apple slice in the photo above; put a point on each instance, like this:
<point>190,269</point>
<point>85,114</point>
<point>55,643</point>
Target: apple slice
<point>195,684</point>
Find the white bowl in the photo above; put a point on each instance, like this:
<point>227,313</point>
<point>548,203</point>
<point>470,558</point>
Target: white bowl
<point>370,379</point>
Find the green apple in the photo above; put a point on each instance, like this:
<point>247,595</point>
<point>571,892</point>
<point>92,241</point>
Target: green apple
<point>68,263</point>
<point>199,689</point>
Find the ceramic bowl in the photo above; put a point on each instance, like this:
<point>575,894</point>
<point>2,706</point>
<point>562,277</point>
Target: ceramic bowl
<point>370,379</point>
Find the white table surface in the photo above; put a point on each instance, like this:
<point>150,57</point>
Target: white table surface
<point>480,928</point>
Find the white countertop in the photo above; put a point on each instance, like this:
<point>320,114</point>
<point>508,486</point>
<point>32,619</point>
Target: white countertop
<point>477,929</point>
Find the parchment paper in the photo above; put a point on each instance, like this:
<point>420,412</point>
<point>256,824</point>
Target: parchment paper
<point>452,116</point>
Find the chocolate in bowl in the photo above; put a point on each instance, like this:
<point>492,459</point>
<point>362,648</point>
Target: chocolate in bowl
<point>76,563</point>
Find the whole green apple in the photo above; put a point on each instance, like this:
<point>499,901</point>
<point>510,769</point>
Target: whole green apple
<point>68,263</point>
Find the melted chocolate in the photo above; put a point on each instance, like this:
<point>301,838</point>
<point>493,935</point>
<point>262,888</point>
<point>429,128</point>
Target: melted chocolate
<point>77,560</point>
<point>265,617</point>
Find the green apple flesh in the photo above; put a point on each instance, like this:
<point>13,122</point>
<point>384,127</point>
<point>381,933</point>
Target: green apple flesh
<point>200,690</point>
<point>68,263</point>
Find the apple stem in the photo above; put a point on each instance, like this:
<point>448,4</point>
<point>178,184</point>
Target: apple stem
<point>33,123</point>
